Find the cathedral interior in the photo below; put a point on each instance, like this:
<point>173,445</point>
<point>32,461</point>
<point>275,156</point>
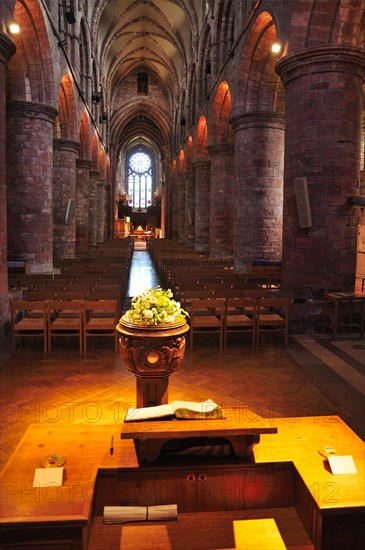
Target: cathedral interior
<point>228,132</point>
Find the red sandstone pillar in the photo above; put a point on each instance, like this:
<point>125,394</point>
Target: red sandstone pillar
<point>82,205</point>
<point>93,183</point>
<point>64,190</point>
<point>324,91</point>
<point>100,211</point>
<point>258,195</point>
<point>107,210</point>
<point>221,200</point>
<point>7,49</point>
<point>202,208</point>
<point>180,184</point>
<point>189,208</point>
<point>29,183</point>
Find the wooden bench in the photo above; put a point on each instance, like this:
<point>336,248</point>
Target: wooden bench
<point>17,266</point>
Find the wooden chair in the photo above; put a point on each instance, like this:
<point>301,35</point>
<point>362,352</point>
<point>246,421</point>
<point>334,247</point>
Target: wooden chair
<point>72,294</point>
<point>107,295</point>
<point>26,324</point>
<point>100,318</point>
<point>240,317</point>
<point>64,318</point>
<point>272,316</point>
<point>38,296</point>
<point>189,294</point>
<point>209,323</point>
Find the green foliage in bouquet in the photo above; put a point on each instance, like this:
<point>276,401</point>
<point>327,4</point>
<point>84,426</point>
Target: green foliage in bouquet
<point>155,307</point>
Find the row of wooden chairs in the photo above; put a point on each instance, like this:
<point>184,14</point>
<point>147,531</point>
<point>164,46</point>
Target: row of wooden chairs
<point>82,319</point>
<point>252,316</point>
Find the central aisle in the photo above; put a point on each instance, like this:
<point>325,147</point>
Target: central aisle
<point>142,274</point>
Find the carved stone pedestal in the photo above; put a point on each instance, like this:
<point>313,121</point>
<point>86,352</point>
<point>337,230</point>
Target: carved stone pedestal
<point>152,353</point>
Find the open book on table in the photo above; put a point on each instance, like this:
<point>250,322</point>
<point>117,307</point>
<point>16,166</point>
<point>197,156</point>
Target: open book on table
<point>188,410</point>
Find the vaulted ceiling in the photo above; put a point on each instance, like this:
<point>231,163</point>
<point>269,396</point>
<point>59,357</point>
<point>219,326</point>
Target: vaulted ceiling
<point>156,36</point>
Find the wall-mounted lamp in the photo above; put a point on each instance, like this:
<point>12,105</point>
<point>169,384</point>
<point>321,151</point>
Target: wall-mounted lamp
<point>70,17</point>
<point>14,28</point>
<point>276,47</point>
<point>103,117</point>
<point>96,97</point>
<point>356,200</point>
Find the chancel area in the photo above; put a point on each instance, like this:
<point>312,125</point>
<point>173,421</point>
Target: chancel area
<point>182,226</point>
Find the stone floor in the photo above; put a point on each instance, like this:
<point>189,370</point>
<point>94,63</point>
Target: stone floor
<point>314,376</point>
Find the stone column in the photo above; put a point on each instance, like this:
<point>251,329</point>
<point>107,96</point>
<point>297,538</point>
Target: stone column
<point>258,207</point>
<point>7,49</point>
<point>180,184</point>
<point>202,207</point>
<point>189,208</point>
<point>108,211</point>
<point>29,183</point>
<point>100,211</point>
<point>221,200</point>
<point>93,184</point>
<point>82,205</point>
<point>324,93</point>
<point>64,197</point>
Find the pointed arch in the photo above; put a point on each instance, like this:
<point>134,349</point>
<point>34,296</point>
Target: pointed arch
<point>95,151</point>
<point>30,75</point>
<point>102,163</point>
<point>259,87</point>
<point>201,151</point>
<point>181,163</point>
<point>221,130</point>
<point>84,139</point>
<point>189,152</point>
<point>67,118</point>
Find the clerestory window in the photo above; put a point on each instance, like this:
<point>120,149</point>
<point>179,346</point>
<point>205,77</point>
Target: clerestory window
<point>142,83</point>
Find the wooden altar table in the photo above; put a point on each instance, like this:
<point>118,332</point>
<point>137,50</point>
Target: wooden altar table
<point>287,470</point>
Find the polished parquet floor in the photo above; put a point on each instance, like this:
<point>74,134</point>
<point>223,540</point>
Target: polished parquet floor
<point>313,376</point>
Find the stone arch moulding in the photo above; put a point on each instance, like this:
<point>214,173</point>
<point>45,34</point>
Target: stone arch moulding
<point>95,152</point>
<point>67,110</point>
<point>102,163</point>
<point>189,152</point>
<point>221,131</point>
<point>258,87</point>
<point>201,151</point>
<point>84,139</point>
<point>181,162</point>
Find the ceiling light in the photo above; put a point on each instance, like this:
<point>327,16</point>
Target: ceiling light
<point>276,47</point>
<point>14,28</point>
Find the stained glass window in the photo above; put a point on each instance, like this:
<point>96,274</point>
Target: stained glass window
<point>140,180</point>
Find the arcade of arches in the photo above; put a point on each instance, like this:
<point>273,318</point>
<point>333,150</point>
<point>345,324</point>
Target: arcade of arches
<point>228,126</point>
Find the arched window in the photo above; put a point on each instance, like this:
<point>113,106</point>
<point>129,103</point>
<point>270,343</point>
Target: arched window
<point>142,83</point>
<point>140,180</point>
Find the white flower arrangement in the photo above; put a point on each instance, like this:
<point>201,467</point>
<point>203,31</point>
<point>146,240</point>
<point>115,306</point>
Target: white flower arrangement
<point>155,307</point>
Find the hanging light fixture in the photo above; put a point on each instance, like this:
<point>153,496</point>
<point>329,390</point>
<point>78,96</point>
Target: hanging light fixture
<point>70,17</point>
<point>96,97</point>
